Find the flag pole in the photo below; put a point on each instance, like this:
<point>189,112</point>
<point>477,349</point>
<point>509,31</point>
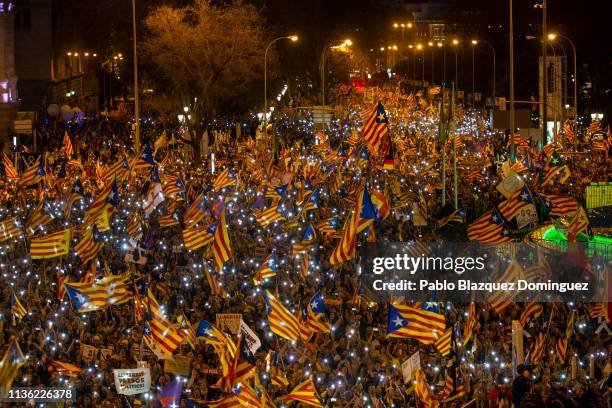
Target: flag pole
<point>452,127</point>
<point>441,137</point>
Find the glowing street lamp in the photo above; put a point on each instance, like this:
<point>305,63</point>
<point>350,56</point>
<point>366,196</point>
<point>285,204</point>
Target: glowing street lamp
<point>344,47</point>
<point>293,38</point>
<point>552,37</point>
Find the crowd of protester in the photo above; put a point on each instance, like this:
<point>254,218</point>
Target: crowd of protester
<point>356,365</point>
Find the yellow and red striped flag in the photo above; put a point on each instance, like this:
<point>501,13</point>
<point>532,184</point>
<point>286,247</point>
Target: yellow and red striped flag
<point>443,344</point>
<point>281,321</point>
<point>423,391</point>
<point>50,245</point>
<point>10,172</point>
<point>306,393</point>
<point>167,337</point>
<point>415,322</point>
<point>67,369</point>
<point>100,294</point>
<point>89,245</point>
<point>195,238</point>
<point>16,307</point>
<point>224,179</point>
<point>532,309</point>
<point>267,269</point>
<point>579,223</point>
<point>12,360</point>
<point>67,148</point>
<point>215,287</point>
<point>269,215</point>
<point>500,300</point>
<point>188,330</point>
<point>10,229</point>
<point>32,174</point>
<point>468,326</point>
<point>221,247</point>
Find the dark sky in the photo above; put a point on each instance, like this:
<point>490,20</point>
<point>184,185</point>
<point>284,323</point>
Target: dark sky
<point>586,22</point>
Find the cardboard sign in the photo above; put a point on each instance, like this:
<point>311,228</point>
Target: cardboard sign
<point>333,302</point>
<point>250,337</point>
<point>88,353</point>
<point>211,370</point>
<point>106,353</point>
<point>526,216</point>
<point>229,321</point>
<point>132,381</point>
<point>179,365</point>
<point>410,365</point>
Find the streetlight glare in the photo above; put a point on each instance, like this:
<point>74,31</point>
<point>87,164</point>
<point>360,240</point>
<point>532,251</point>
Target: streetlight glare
<point>348,42</point>
<point>440,44</point>
<point>395,25</point>
<point>455,41</point>
<point>293,38</point>
<point>474,42</point>
<point>430,44</point>
<point>409,25</point>
<point>552,36</point>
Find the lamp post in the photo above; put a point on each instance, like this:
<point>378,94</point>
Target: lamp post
<point>441,45</point>
<point>552,37</point>
<point>474,42</point>
<point>455,44</point>
<point>420,48</point>
<point>136,107</point>
<point>342,47</point>
<point>492,50</point>
<point>431,45</point>
<point>403,26</point>
<point>293,38</point>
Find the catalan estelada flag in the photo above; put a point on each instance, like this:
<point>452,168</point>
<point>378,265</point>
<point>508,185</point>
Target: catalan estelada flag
<point>375,127</point>
<point>268,269</point>
<point>424,323</point>
<point>423,391</point>
<point>12,360</point>
<point>443,344</point>
<point>167,337</point>
<point>221,247</point>
<point>100,294</point>
<point>16,307</point>
<point>224,179</point>
<point>32,174</point>
<point>10,229</point>
<point>306,393</point>
<point>195,238</point>
<point>50,245</point>
<point>282,322</point>
<point>89,245</point>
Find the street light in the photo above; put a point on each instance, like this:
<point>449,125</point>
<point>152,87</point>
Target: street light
<point>552,37</point>
<point>403,26</point>
<point>431,44</point>
<point>474,42</point>
<point>293,38</point>
<point>493,50</point>
<point>420,48</point>
<point>455,44</point>
<point>342,47</point>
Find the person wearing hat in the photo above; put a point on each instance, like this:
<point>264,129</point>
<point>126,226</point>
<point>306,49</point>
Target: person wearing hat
<point>521,384</point>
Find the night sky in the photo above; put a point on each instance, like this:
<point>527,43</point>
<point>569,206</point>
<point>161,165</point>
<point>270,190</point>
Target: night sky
<point>369,25</point>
